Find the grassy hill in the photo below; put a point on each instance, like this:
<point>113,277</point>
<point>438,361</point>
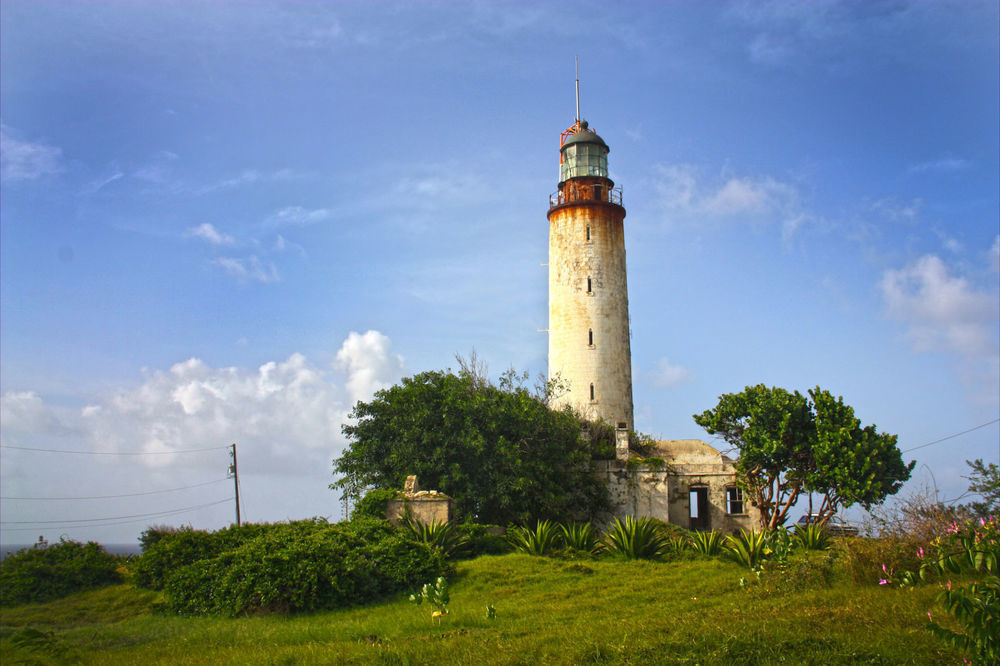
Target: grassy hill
<point>548,610</point>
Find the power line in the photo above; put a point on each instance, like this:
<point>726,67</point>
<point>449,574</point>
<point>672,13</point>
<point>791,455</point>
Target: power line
<point>936,441</point>
<point>115,453</point>
<point>151,492</point>
<point>120,522</point>
<point>91,520</point>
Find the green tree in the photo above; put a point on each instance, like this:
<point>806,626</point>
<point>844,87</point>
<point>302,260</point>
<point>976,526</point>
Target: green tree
<point>790,444</point>
<point>496,449</point>
<point>984,480</point>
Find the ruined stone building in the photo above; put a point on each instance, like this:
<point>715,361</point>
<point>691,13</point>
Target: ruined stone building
<point>685,482</point>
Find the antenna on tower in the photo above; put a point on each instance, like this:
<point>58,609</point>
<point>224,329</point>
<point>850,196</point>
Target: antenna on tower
<point>577,88</point>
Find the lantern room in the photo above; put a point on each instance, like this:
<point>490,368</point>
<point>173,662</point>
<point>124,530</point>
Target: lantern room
<point>583,153</point>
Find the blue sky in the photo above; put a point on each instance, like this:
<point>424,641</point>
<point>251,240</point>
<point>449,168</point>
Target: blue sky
<point>227,222</point>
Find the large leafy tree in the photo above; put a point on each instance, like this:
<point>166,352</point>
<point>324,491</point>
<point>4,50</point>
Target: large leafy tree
<point>790,445</point>
<point>497,450</point>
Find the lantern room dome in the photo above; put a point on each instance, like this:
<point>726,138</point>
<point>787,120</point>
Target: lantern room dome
<point>585,135</point>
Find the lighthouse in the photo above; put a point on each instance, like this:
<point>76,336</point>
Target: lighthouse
<point>589,346</point>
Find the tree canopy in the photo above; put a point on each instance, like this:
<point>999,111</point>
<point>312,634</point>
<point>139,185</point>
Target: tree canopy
<point>497,450</point>
<point>790,444</point>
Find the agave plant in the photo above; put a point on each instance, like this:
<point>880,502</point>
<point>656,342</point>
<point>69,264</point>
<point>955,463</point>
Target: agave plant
<point>579,536</point>
<point>538,541</point>
<point>634,539</point>
<point>706,543</point>
<point>441,536</point>
<point>812,536</point>
<point>748,548</point>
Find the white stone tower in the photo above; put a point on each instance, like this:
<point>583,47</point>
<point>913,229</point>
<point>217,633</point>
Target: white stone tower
<point>589,345</point>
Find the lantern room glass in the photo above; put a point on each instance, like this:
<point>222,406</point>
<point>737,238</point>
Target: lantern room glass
<point>583,159</point>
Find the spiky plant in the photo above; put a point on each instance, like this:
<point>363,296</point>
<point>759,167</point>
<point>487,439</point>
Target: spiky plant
<point>538,541</point>
<point>442,536</point>
<point>812,537</point>
<point>634,539</point>
<point>749,548</point>
<point>579,536</point>
<point>706,543</point>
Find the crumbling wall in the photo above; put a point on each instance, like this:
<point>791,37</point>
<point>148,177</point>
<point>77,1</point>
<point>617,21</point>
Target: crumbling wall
<point>421,506</point>
<point>662,490</point>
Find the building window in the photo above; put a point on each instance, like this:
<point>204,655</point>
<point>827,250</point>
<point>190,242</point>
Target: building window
<point>588,232</point>
<point>590,337</point>
<point>734,500</point>
<point>592,392</point>
<point>590,285</point>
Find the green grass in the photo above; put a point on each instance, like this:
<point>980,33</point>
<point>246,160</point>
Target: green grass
<point>549,610</point>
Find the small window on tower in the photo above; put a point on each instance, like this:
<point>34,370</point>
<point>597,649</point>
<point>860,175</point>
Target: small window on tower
<point>588,232</point>
<point>592,392</point>
<point>590,337</point>
<point>590,286</point>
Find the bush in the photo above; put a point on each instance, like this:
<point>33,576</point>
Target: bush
<point>480,541</point>
<point>632,538</point>
<point>374,503</point>
<point>51,572</point>
<point>304,566</point>
<point>579,536</point>
<point>168,551</point>
<point>863,558</point>
<point>443,537</point>
<point>539,541</point>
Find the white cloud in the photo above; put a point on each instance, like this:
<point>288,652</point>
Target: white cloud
<point>945,164</point>
<point>898,210</point>
<point>249,177</point>
<point>282,410</point>
<point>368,361</point>
<point>249,269</point>
<point>208,232</point>
<point>686,193</point>
<point>24,160</point>
<point>300,215</point>
<point>25,412</point>
<point>667,375</point>
<point>946,312</point>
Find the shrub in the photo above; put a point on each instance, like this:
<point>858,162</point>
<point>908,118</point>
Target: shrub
<point>302,567</point>
<point>482,541</point>
<point>374,503</point>
<point>706,543</point>
<point>748,548</point>
<point>443,537</point>
<point>863,558</point>
<point>168,551</point>
<point>812,536</point>
<point>969,548</point>
<point>539,541</point>
<point>43,573</point>
<point>579,536</point>
<point>633,539</point>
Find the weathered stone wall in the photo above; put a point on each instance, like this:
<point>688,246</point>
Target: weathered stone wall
<point>423,508</point>
<point>575,312</point>
<point>664,492</point>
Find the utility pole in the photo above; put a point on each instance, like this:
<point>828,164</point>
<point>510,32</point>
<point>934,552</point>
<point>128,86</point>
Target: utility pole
<point>234,472</point>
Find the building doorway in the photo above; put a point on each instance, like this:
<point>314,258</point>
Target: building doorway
<point>699,513</point>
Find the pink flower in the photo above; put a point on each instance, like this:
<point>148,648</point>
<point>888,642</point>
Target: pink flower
<point>920,551</point>
<point>928,615</point>
<point>884,569</point>
<point>883,581</point>
<point>949,585</point>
